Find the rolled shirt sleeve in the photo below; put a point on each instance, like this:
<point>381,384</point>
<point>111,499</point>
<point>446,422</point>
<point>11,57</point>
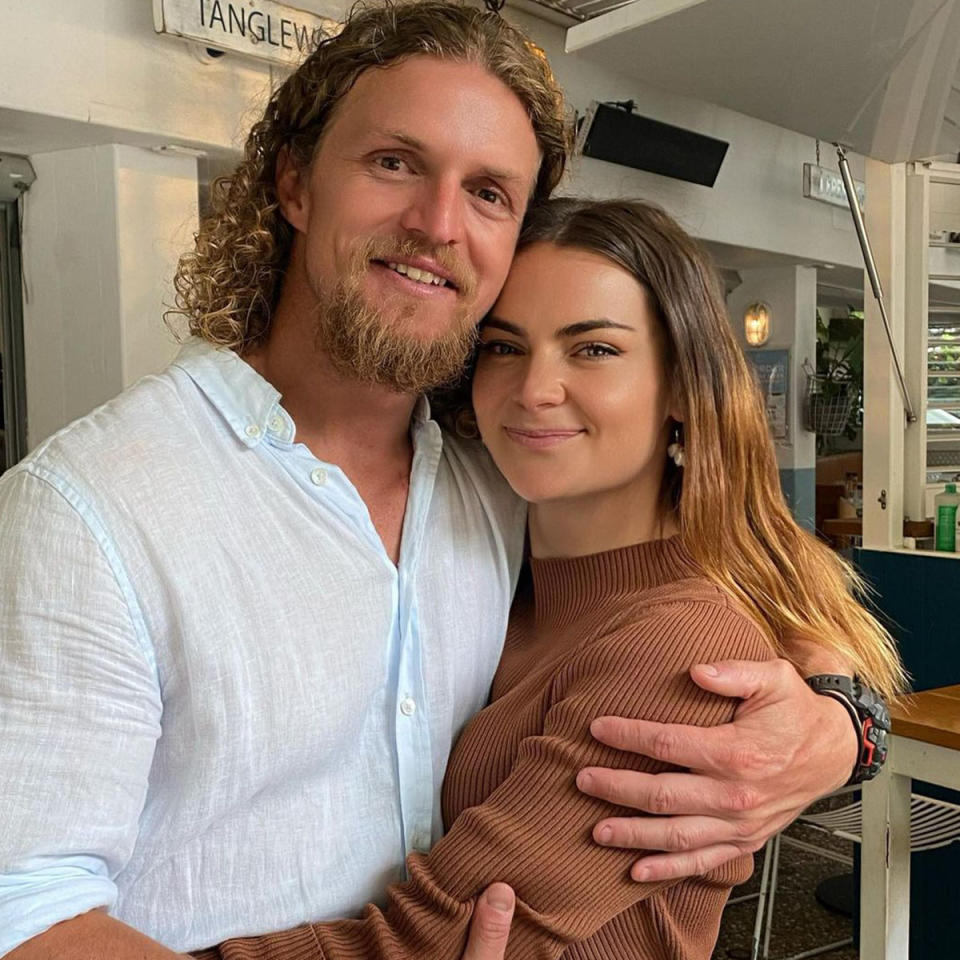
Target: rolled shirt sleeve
<point>79,708</point>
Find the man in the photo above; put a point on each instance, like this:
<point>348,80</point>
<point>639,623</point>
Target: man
<point>257,597</point>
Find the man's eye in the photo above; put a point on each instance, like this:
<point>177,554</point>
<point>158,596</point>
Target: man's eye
<point>489,196</point>
<point>390,163</point>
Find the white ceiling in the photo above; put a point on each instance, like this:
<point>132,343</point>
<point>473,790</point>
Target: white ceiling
<point>876,75</point>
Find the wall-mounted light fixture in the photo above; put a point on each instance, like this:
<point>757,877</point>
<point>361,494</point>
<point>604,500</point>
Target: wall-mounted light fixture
<point>756,323</point>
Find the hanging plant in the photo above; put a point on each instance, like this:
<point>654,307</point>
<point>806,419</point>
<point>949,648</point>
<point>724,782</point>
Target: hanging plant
<point>834,400</point>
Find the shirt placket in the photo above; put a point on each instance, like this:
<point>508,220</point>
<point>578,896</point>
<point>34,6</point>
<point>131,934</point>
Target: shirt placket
<point>413,741</point>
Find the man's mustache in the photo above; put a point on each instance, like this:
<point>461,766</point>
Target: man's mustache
<point>392,249</point>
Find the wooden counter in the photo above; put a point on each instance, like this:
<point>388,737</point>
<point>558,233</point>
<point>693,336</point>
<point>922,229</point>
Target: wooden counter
<point>924,745</point>
<point>931,717</point>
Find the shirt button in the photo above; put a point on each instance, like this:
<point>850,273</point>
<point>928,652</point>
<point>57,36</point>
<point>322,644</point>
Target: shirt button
<point>318,476</point>
<point>276,424</point>
<point>253,430</point>
<point>408,707</point>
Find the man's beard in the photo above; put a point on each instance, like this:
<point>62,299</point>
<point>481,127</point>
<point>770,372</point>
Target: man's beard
<point>364,345</point>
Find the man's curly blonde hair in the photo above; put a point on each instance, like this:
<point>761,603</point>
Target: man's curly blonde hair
<point>228,286</point>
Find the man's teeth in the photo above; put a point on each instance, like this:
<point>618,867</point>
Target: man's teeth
<point>415,273</point>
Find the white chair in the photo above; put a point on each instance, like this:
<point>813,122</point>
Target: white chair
<point>933,823</point>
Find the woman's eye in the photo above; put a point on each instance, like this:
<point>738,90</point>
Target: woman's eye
<point>390,163</point>
<point>596,350</point>
<point>497,348</point>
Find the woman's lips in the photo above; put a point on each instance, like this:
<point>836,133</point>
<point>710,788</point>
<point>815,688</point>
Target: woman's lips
<point>540,439</point>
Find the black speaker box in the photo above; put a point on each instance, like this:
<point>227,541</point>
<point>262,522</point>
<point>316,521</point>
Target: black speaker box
<point>620,136</point>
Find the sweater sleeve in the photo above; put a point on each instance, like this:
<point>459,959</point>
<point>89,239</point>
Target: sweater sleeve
<point>534,831</point>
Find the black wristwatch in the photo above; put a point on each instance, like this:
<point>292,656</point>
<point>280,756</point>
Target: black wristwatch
<point>870,716</point>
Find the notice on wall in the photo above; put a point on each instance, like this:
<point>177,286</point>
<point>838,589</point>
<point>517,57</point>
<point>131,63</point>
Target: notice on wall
<point>264,29</point>
<point>772,371</point>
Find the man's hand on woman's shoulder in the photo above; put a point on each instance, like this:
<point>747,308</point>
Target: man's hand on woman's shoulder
<point>745,780</point>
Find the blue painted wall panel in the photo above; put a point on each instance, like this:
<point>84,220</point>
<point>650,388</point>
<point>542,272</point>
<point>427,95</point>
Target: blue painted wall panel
<point>799,489</point>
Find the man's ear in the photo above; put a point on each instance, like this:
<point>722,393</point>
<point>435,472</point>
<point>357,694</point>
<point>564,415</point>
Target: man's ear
<point>291,186</point>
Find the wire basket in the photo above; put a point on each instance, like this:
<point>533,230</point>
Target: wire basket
<point>827,404</point>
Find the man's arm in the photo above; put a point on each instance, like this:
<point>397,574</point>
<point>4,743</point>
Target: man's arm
<point>93,936</point>
<point>746,780</point>
<point>79,712</point>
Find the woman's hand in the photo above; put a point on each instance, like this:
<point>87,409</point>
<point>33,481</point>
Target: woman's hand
<point>746,780</point>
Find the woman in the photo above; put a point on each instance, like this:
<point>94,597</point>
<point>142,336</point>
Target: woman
<point>610,392</point>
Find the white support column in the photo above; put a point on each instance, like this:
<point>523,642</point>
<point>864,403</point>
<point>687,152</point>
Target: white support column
<point>157,217</point>
<point>103,227</point>
<point>917,298</point>
<point>885,866</point>
<point>884,418</point>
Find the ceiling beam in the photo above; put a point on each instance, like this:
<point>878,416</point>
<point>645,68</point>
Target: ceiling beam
<point>633,15</point>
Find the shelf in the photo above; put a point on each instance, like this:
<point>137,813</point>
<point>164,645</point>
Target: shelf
<point>941,554</point>
<point>853,527</point>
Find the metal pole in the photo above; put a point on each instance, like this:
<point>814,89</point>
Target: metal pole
<point>871,266</point>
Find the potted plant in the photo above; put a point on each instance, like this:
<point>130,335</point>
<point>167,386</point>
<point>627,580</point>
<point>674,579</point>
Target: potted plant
<point>834,402</point>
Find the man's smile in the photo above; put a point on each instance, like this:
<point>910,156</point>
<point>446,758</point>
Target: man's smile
<point>415,280</point>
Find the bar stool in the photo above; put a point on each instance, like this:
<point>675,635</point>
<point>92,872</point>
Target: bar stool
<point>933,823</point>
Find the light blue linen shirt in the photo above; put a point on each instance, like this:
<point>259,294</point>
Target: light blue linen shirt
<point>223,709</point>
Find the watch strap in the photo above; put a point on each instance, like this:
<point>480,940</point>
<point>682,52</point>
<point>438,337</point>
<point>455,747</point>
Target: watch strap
<point>869,715</point>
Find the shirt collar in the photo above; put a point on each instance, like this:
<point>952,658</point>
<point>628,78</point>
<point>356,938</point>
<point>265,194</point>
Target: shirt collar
<point>249,404</point>
<point>421,412</point>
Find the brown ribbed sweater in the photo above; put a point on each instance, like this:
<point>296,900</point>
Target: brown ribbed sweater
<point>610,634</point>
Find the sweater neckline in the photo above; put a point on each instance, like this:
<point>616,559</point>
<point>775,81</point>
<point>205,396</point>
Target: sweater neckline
<point>566,587</point>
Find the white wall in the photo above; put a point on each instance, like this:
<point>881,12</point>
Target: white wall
<point>156,198</point>
<point>71,313</point>
<point>757,201</point>
<point>102,229</point>
<point>99,62</point>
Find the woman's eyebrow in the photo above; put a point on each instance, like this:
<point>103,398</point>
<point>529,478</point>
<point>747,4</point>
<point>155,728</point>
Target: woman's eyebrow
<point>585,326</point>
<point>571,330</point>
<point>500,324</point>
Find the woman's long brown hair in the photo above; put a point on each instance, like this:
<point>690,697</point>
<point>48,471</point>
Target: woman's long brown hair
<point>727,497</point>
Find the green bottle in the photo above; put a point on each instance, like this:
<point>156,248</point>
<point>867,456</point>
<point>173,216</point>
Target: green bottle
<point>945,505</point>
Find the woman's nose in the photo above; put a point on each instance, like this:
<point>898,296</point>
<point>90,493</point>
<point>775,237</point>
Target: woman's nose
<point>542,384</point>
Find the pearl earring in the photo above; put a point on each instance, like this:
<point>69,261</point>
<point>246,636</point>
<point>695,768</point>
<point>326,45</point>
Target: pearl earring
<point>676,451</point>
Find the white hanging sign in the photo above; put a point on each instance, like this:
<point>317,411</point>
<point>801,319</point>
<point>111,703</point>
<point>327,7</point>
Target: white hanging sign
<point>259,28</point>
